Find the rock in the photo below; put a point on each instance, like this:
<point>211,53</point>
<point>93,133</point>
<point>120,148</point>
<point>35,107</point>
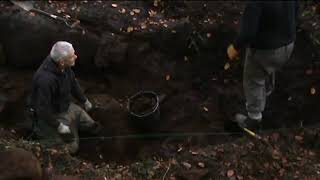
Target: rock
<point>18,163</point>
<point>186,165</point>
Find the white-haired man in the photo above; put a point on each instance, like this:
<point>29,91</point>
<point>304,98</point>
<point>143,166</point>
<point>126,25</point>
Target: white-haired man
<point>53,85</point>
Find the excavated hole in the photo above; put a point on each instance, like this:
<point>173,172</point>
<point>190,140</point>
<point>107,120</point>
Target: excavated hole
<point>199,99</point>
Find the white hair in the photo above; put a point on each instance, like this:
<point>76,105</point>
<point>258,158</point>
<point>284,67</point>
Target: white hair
<point>60,50</point>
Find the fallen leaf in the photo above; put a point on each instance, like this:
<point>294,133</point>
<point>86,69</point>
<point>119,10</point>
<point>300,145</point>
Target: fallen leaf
<point>143,25</point>
<point>313,91</point>
<point>152,13</point>
<point>240,177</point>
<point>276,154</point>
<point>155,3</point>
<point>311,153</point>
<point>129,29</point>
<point>180,149</point>
<point>123,10</point>
<point>131,13</point>
<point>137,11</point>
<point>32,14</point>
<point>186,165</point>
<point>165,25</point>
<point>226,66</point>
<point>281,172</point>
<point>298,138</point>
<point>205,109</point>
<point>309,71</point>
<point>230,173</point>
<point>168,77</point>
<point>114,5</point>
<point>53,151</point>
<point>200,164</point>
<point>194,153</point>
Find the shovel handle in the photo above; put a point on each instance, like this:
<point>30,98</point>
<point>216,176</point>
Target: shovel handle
<point>70,23</point>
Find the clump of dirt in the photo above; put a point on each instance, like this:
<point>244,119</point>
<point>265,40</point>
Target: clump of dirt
<point>143,104</point>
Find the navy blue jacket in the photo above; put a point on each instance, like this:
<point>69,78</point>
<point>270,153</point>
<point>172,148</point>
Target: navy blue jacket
<point>268,24</point>
<point>52,90</point>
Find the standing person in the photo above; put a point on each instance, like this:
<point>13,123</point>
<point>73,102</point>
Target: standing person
<point>268,32</point>
<point>53,86</point>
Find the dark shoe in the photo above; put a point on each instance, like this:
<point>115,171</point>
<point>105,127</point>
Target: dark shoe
<point>247,122</point>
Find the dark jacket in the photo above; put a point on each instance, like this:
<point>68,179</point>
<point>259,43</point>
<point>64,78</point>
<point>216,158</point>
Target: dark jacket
<point>52,90</point>
<point>268,24</point>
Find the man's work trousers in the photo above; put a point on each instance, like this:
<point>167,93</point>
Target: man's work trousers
<point>76,118</point>
<point>259,76</point>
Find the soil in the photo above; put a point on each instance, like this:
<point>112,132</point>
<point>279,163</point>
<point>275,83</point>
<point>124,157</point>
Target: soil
<point>196,139</point>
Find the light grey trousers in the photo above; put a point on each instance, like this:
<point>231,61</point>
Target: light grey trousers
<point>259,76</point>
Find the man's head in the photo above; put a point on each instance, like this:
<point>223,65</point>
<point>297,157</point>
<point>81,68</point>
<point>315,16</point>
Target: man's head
<point>63,54</point>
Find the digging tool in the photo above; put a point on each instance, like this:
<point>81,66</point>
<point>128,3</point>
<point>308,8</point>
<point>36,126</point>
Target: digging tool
<point>28,6</point>
<point>251,133</point>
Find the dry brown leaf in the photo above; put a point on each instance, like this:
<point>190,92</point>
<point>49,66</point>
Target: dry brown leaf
<point>143,25</point>
<point>205,109</point>
<point>230,173</point>
<point>114,5</point>
<point>309,71</point>
<point>156,3</point>
<point>123,10</point>
<point>311,153</point>
<point>152,13</point>
<point>137,11</point>
<point>313,91</point>
<point>186,165</point>
<point>276,154</point>
<point>168,77</point>
<point>226,66</point>
<point>202,165</point>
<point>298,138</point>
<point>240,177</point>
<point>194,152</point>
<point>129,29</point>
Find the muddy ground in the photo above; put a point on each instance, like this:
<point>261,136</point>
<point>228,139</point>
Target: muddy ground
<point>176,50</point>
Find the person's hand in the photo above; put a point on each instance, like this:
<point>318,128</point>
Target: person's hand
<point>87,105</point>
<point>232,52</point>
<point>64,129</point>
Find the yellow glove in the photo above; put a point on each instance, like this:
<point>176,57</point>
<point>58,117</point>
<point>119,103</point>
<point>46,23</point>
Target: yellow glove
<point>232,52</point>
